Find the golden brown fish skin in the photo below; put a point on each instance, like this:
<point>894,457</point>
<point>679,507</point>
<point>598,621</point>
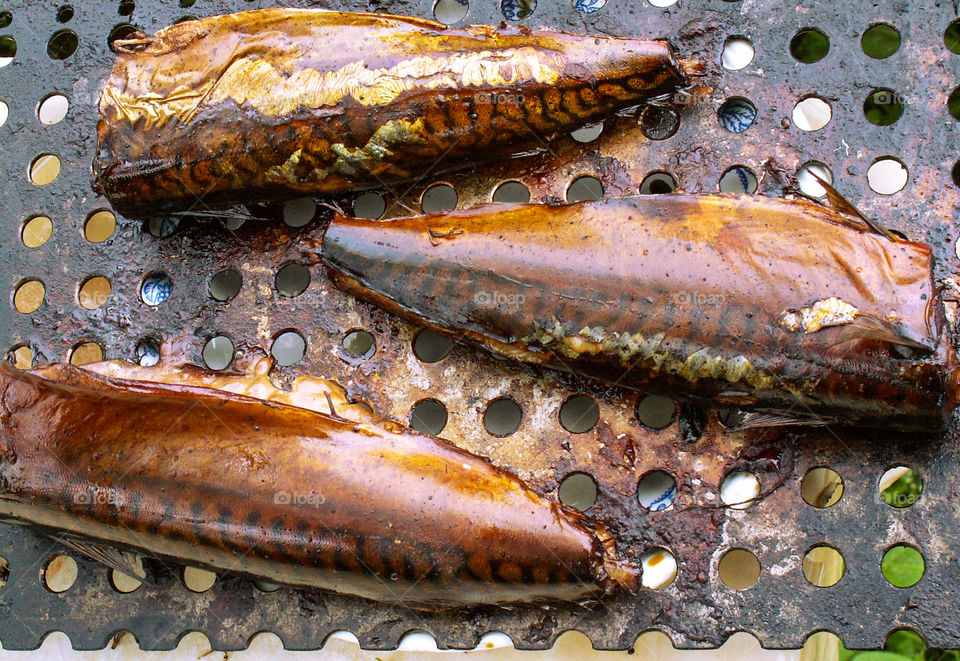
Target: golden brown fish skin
<point>275,103</point>
<point>286,494</point>
<point>684,295</point>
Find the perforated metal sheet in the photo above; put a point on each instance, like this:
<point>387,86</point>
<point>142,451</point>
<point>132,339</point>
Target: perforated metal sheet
<point>696,610</point>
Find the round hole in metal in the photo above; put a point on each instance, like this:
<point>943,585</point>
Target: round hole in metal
<point>739,489</point>
<point>358,344</point>
<point>578,490</point>
<point>808,183</point>
<point>53,109</point>
<point>60,573</point>
<point>880,41</point>
<point>94,292</point>
<point>44,169</point>
<point>823,566</point>
<point>225,284</point>
<point>737,114</point>
<point>887,175</point>
<point>656,411</point>
<point>438,198</point>
<point>902,565</point>
<point>659,568</point>
<point>579,414</point>
<point>900,486</point>
<point>62,44</point>
<point>369,205</point>
<point>658,122</point>
<point>155,288</point>
<point>737,53</point>
<point>658,183</point>
<point>428,416</point>
<point>502,417</point>
<point>86,352</point>
<point>812,114</point>
<point>809,45</point>
<point>431,347</point>
<point>882,107</point>
<point>299,212</point>
<point>584,188</point>
<point>738,179</point>
<point>36,231</point>
<point>450,11</point>
<point>511,191</point>
<point>292,279</point>
<point>656,490</point>
<point>739,569</point>
<point>28,297</point>
<point>587,133</point>
<point>821,487</point>
<point>218,352</point>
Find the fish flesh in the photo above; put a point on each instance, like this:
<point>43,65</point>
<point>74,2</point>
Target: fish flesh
<point>278,103</point>
<point>231,473</point>
<point>785,308</point>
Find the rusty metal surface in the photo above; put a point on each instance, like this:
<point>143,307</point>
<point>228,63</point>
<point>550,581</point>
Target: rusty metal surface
<point>696,610</point>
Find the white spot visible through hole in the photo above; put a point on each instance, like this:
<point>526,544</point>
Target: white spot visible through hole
<point>739,489</point>
<point>53,109</point>
<point>659,568</point>
<point>656,490</point>
<point>808,184</point>
<point>887,176</point>
<point>812,114</point>
<point>450,11</point>
<point>737,53</point>
<point>738,179</point>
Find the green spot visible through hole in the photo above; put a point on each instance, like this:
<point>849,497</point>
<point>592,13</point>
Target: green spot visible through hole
<point>953,103</point>
<point>900,487</point>
<point>902,566</point>
<point>880,41</point>
<point>882,107</point>
<point>809,46</point>
<point>62,44</point>
<point>951,37</point>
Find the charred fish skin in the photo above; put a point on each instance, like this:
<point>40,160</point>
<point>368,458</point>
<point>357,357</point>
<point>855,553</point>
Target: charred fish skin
<point>780,306</point>
<point>277,103</point>
<point>282,493</point>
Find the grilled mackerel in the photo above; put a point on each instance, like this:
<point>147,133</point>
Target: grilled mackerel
<point>782,307</point>
<point>185,466</point>
<point>274,103</point>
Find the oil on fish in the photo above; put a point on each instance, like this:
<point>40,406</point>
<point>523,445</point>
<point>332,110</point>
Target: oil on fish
<point>278,103</point>
<point>783,307</point>
<point>298,487</point>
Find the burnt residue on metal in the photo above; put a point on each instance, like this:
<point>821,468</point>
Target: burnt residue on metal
<point>696,610</point>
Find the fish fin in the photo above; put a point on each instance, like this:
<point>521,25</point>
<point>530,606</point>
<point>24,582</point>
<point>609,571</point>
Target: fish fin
<point>838,202</point>
<point>124,562</point>
<point>869,327</point>
<point>756,420</point>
